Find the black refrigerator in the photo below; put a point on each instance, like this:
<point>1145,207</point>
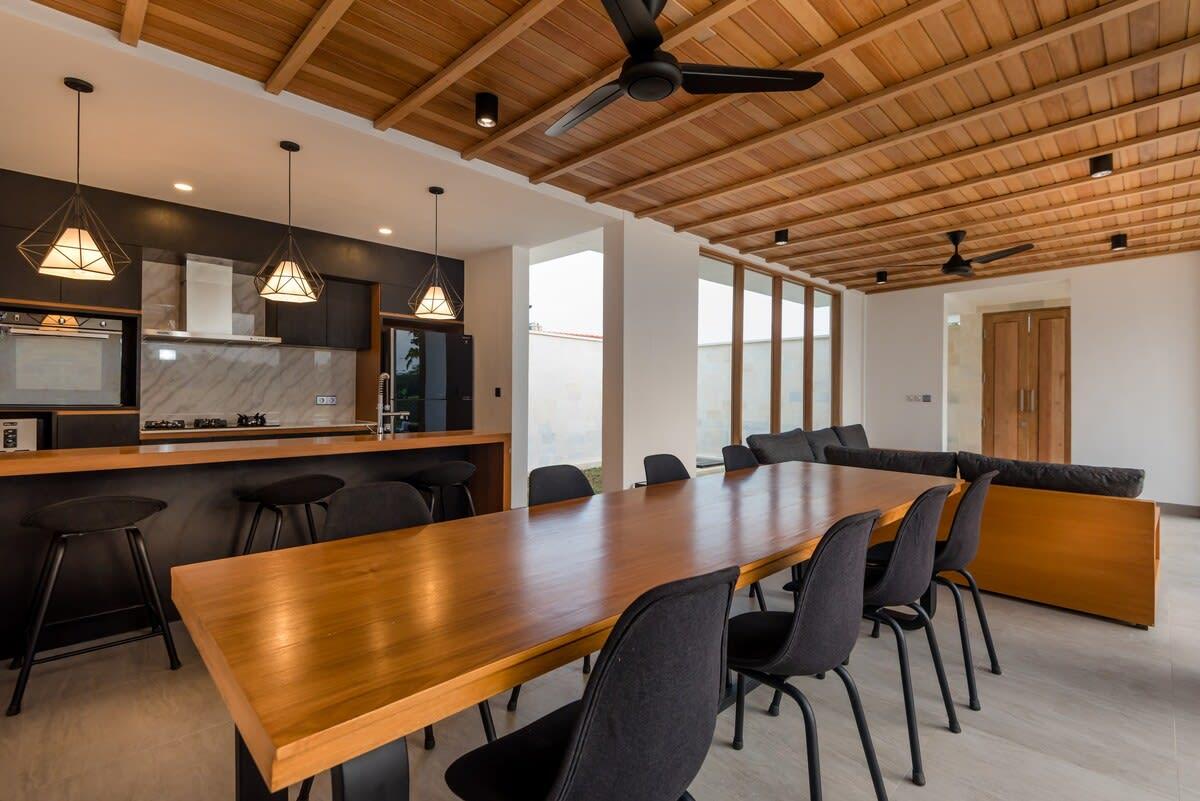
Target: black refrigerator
<point>433,375</point>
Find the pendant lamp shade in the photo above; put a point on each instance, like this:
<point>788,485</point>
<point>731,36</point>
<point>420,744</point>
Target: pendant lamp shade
<point>73,242</point>
<point>287,276</point>
<point>435,298</point>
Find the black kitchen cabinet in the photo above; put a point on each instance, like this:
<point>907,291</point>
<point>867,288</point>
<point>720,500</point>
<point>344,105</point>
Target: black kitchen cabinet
<point>123,292</point>
<point>393,298</point>
<point>19,281</point>
<point>348,315</point>
<point>299,323</point>
<point>96,430</point>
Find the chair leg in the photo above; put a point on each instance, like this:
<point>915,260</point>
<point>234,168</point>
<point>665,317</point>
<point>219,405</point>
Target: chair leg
<point>155,623</point>
<point>278,527</point>
<point>686,796</point>
<point>489,727</point>
<point>757,589</point>
<point>875,630</point>
<point>433,493</point>
<point>258,510</point>
<point>776,700</point>
<point>305,789</point>
<point>430,740</point>
<point>983,622</point>
<point>37,593</point>
<point>864,733</point>
<point>939,667</point>
<point>57,548</point>
<point>810,741</point>
<point>312,526</point>
<point>155,598</point>
<point>965,636</point>
<point>587,663</point>
<point>739,713</point>
<point>512,698</point>
<point>470,501</point>
<point>910,704</point>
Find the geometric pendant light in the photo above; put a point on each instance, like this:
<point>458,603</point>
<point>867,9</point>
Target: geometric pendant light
<point>73,242</point>
<point>286,276</point>
<point>435,298</point>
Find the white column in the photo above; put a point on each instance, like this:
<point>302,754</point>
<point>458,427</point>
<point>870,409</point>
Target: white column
<point>651,292</point>
<point>497,316</point>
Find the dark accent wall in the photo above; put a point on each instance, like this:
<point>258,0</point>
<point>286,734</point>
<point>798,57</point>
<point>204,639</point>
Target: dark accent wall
<point>158,225</point>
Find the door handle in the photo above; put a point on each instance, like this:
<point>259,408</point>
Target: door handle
<point>1020,400</point>
<point>1033,400</point>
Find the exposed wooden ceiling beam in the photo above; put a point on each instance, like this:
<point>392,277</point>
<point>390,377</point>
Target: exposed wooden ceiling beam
<point>1083,261</point>
<point>302,49</point>
<point>978,61</point>
<point>132,20</point>
<point>951,211</point>
<point>730,258</point>
<point>1091,239</point>
<point>681,33</point>
<point>797,226</point>
<point>928,166</point>
<point>936,246</point>
<point>512,27</point>
<point>922,131</point>
<point>796,262</point>
<point>827,52</point>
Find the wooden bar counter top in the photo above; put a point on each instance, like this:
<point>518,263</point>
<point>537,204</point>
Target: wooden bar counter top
<point>128,457</point>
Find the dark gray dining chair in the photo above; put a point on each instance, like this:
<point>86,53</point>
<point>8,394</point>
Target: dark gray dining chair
<point>663,468</point>
<point>901,582</point>
<point>771,647</point>
<point>551,484</point>
<point>646,719</point>
<point>738,457</point>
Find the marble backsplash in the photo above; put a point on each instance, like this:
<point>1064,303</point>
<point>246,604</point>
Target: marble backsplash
<point>193,379</point>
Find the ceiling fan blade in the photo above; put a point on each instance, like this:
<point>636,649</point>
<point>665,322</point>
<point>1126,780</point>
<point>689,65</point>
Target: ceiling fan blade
<point>634,22</point>
<point>718,79</point>
<point>586,108</point>
<point>1002,254</point>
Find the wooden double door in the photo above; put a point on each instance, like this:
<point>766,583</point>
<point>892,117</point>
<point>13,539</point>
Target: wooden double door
<point>1027,384</point>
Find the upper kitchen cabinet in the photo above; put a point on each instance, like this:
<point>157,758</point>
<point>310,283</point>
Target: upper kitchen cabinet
<point>348,315</point>
<point>20,282</point>
<point>341,318</point>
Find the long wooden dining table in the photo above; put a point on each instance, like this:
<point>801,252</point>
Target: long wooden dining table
<point>327,655</point>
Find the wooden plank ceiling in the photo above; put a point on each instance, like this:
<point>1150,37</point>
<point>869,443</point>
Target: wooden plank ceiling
<point>934,114</point>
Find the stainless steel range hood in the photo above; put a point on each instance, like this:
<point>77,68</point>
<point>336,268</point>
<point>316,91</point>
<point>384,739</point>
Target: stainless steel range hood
<point>206,302</point>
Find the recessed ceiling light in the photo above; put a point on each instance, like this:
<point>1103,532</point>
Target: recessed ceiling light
<point>385,231</point>
<point>487,110</point>
<point>1101,166</point>
<point>782,237</point>
<point>183,187</point>
<point>881,277</point>
<point>1119,242</point>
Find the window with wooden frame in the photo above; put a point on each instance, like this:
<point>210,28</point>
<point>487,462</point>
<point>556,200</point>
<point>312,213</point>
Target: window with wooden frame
<point>768,354</point>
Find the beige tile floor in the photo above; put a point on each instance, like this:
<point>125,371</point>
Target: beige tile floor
<point>1086,709</point>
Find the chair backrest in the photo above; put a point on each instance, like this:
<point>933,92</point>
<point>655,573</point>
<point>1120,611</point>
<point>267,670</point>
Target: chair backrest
<point>649,710</point>
<point>376,506</point>
<point>664,467</point>
<point>963,540</point>
<point>828,611</point>
<point>910,568</point>
<point>738,457</point>
<point>558,482</point>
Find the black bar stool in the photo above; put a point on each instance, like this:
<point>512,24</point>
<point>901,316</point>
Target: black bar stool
<point>297,491</point>
<point>436,479</point>
<point>77,518</point>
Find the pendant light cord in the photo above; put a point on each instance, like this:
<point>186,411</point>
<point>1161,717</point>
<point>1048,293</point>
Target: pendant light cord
<point>289,190</point>
<point>78,129</point>
<point>435,230</point>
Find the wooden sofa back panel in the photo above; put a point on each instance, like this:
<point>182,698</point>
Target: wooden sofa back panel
<point>1090,553</point>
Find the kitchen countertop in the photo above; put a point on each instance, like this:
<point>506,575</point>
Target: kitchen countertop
<point>161,434</point>
<point>126,457</point>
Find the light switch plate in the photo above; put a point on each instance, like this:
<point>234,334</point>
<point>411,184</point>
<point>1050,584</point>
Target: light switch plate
<point>327,400</point>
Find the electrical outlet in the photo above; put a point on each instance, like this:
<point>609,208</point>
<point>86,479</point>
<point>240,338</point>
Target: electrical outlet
<point>327,400</point>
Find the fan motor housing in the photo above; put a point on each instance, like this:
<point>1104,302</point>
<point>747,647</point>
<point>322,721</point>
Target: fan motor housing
<point>652,80</point>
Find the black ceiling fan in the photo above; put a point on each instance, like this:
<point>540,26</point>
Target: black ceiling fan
<point>650,75</point>
<point>957,265</point>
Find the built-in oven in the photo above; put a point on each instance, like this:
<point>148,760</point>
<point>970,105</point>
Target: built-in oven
<point>61,359</point>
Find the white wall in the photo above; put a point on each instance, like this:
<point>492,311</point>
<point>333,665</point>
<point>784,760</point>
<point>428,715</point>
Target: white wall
<point>651,291</point>
<point>1135,368</point>
<point>497,316</point>
<point>854,330</point>
<point>565,392</point>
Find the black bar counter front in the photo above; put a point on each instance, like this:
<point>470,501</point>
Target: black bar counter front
<point>97,592</point>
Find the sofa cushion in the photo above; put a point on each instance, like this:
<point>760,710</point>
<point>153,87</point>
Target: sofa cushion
<point>854,436</point>
<point>930,463</point>
<point>819,439</point>
<point>788,446</point>
<point>1119,482</point>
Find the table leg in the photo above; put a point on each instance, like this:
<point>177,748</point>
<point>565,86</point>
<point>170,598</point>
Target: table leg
<point>249,784</point>
<point>379,775</point>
